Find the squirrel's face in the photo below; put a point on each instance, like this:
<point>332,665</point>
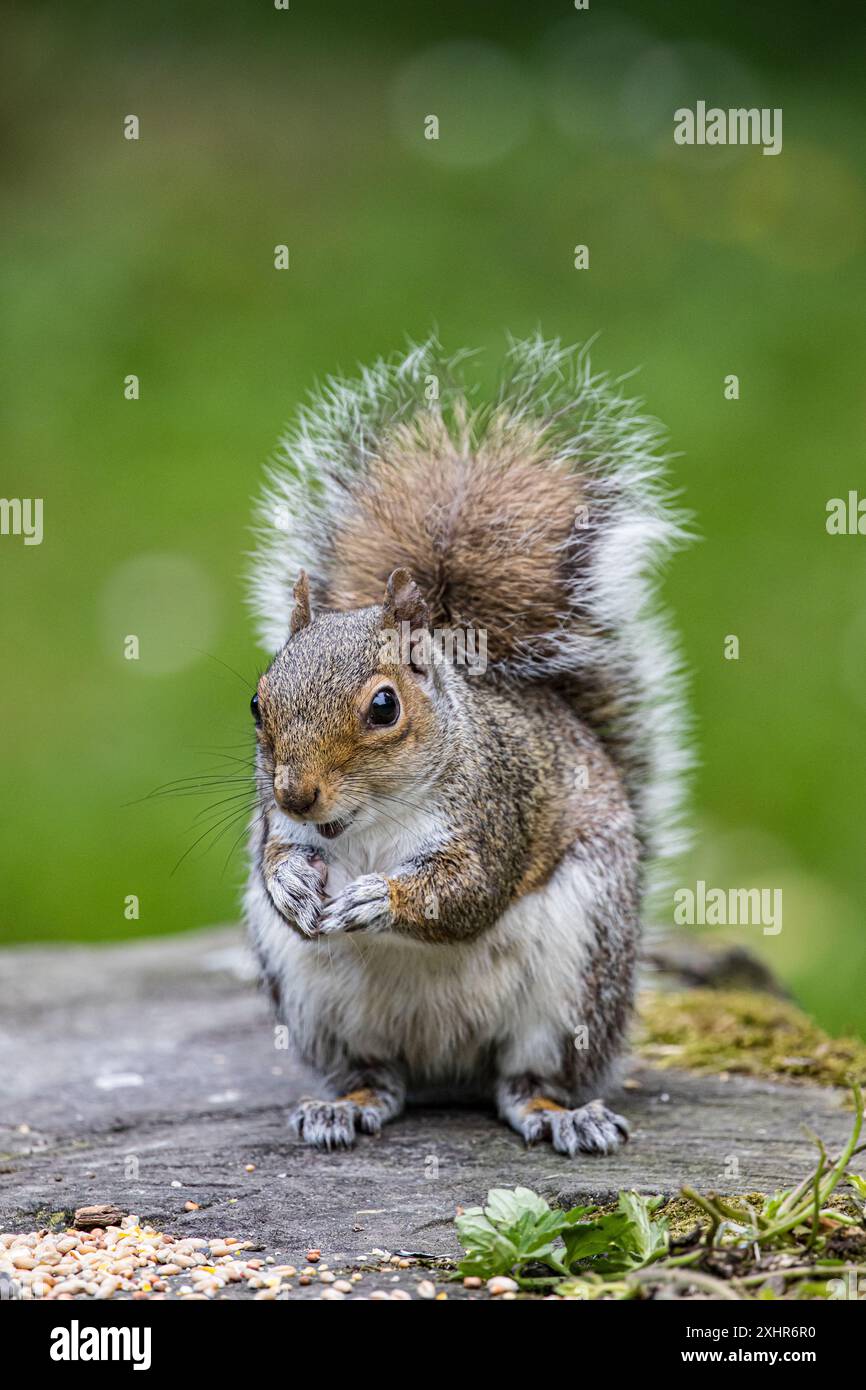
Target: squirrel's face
<point>343,731</point>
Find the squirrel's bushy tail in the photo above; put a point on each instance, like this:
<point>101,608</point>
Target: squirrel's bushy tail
<point>540,518</point>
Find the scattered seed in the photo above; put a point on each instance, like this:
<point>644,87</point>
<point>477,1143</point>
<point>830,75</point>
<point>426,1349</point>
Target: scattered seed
<point>500,1284</point>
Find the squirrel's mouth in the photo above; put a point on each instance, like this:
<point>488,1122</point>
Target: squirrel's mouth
<point>332,828</point>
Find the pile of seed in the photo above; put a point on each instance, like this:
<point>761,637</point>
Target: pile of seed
<point>134,1261</point>
<point>129,1259</point>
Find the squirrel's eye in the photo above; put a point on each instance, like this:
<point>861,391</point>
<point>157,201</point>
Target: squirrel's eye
<point>256,712</point>
<point>384,708</point>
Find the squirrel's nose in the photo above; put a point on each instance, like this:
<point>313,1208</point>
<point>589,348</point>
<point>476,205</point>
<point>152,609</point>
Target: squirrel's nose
<point>294,799</point>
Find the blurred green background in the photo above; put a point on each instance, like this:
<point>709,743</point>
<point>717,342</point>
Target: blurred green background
<point>305,127</point>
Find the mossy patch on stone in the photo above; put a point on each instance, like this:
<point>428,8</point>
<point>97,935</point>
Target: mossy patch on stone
<point>741,1031</point>
<point>683,1215</point>
<point>48,1220</point>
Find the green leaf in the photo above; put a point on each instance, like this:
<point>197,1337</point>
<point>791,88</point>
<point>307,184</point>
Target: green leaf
<point>648,1239</point>
<point>515,1228</point>
<point>591,1238</point>
<point>505,1206</point>
<point>576,1214</point>
<point>623,1240</point>
<point>488,1251</point>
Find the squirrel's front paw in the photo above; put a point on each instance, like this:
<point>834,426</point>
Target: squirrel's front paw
<point>295,883</point>
<point>364,905</point>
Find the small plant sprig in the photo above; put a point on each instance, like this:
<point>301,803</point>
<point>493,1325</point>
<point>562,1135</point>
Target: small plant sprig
<point>518,1229</point>
<point>787,1211</point>
<point>589,1254</point>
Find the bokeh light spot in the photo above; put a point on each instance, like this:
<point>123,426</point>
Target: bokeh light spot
<point>481,98</point>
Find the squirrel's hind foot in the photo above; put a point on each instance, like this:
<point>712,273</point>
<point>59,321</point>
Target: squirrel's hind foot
<point>335,1124</point>
<point>590,1129</point>
<point>325,1124</point>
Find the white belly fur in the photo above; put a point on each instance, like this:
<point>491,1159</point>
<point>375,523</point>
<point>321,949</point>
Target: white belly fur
<point>441,1008</point>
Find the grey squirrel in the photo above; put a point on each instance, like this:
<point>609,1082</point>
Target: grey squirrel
<point>449,859</point>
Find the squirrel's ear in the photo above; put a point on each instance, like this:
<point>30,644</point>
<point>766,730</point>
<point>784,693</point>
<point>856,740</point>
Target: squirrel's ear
<point>404,602</point>
<point>301,611</point>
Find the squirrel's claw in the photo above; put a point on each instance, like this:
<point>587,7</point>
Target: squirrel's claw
<point>325,1124</point>
<point>591,1129</point>
<point>336,1124</point>
<point>364,905</point>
